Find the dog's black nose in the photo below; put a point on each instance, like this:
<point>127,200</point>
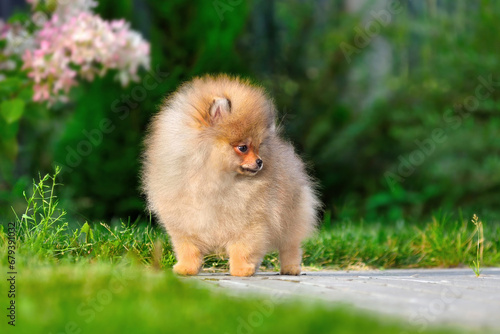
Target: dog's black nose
<point>259,162</point>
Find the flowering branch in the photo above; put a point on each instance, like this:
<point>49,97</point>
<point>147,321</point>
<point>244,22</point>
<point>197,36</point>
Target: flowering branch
<point>76,43</point>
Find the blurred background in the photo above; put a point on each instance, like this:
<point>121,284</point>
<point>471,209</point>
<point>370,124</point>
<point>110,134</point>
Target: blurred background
<point>394,103</point>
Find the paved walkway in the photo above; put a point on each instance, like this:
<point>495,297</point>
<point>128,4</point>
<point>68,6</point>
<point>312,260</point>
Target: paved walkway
<point>422,297</point>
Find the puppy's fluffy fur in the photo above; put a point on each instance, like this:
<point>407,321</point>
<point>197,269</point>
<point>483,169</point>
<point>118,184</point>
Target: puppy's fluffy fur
<point>204,181</point>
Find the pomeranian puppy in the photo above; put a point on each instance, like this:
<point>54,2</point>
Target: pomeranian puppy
<point>220,179</point>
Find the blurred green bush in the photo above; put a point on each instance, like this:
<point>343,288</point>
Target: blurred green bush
<point>367,119</point>
<point>365,111</point>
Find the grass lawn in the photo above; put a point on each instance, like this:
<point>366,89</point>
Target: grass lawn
<point>109,279</point>
<point>126,297</point>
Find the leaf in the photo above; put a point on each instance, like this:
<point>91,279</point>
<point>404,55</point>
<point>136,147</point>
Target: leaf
<point>11,85</point>
<point>12,110</point>
<point>88,232</point>
<point>85,228</point>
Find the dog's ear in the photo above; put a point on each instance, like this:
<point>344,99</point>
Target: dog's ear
<point>220,108</point>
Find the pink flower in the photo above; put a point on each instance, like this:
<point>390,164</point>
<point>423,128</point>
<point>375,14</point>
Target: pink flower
<point>79,44</point>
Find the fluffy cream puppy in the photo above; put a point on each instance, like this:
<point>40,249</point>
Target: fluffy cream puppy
<point>219,177</point>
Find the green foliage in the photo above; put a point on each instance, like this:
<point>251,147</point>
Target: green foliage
<point>41,225</point>
<point>356,117</point>
<point>12,110</point>
<point>16,111</point>
<point>15,103</point>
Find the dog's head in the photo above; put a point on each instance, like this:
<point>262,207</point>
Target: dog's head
<point>241,129</point>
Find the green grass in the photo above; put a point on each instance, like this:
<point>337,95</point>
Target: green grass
<point>100,278</point>
<point>438,243</point>
<point>476,264</point>
<point>126,297</point>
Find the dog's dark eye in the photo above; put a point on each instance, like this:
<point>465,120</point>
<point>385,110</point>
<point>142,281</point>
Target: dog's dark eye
<point>243,148</point>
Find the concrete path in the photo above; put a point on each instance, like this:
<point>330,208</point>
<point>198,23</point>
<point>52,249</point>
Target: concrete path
<point>422,297</point>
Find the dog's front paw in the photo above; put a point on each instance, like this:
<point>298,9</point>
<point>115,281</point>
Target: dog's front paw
<point>293,269</point>
<point>186,270</point>
<point>242,271</point>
